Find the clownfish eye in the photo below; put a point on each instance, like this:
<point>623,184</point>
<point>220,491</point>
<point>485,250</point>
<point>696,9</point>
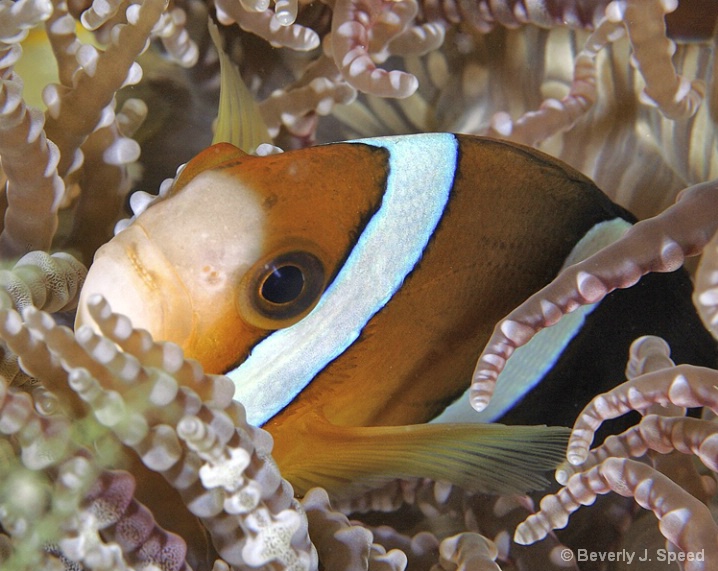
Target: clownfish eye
<point>283,285</point>
<point>282,289</point>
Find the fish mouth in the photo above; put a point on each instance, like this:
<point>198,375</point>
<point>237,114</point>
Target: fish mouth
<point>138,281</point>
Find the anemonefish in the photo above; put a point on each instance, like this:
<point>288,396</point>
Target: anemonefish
<point>347,289</point>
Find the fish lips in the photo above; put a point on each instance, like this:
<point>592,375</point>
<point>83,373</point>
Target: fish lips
<point>138,281</point>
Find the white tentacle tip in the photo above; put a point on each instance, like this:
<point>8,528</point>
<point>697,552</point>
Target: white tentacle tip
<point>680,390</point>
<point>590,287</point>
<point>672,255</point>
<point>479,399</point>
<point>562,475</point>
<point>550,311</point>
<point>575,458</point>
<point>615,11</point>
<point>98,308</point>
<point>517,333</point>
<point>528,532</point>
<point>709,297</point>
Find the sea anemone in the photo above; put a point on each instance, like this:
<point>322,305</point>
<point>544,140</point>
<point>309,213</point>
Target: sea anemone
<point>118,453</point>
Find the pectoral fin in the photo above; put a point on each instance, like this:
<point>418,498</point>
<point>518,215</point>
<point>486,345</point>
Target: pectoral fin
<point>489,458</point>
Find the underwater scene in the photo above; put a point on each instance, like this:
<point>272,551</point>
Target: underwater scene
<point>345,285</point>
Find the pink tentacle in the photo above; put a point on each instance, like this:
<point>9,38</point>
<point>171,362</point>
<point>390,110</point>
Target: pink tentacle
<point>353,38</point>
<point>676,96</point>
<point>660,434</point>
<point>132,526</point>
<point>683,385</point>
<point>659,244</point>
<point>683,520</point>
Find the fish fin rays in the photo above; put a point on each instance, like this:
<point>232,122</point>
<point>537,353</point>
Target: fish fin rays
<point>239,120</point>
<point>240,128</point>
<point>489,458</point>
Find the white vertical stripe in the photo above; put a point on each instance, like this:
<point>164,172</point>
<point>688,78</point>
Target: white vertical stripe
<point>421,174</point>
<point>531,362</point>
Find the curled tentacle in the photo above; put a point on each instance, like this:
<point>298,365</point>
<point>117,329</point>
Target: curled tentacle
<point>341,544</point>
<point>664,429</point>
<point>497,517</point>
<point>648,354</point>
<point>74,112</point>
<point>127,523</point>
<point>264,24</point>
<point>200,443</point>
<point>469,551</point>
<point>683,520</point>
<point>44,440</point>
<point>553,115</point>
<point>176,39</point>
<point>49,282</point>
<point>659,244</point>
<point>29,161</point>
<point>676,96</point>
<point>658,433</point>
<point>684,385</point>
<point>359,27</point>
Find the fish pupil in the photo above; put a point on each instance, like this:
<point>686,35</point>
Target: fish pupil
<point>283,285</point>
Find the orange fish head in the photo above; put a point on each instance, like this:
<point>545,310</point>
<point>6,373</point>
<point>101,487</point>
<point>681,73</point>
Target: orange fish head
<point>239,247</point>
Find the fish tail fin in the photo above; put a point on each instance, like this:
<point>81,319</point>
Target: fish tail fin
<point>491,458</point>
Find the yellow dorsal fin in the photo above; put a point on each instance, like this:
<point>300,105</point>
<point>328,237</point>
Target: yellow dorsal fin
<point>240,127</point>
<point>491,458</point>
<point>239,120</point>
